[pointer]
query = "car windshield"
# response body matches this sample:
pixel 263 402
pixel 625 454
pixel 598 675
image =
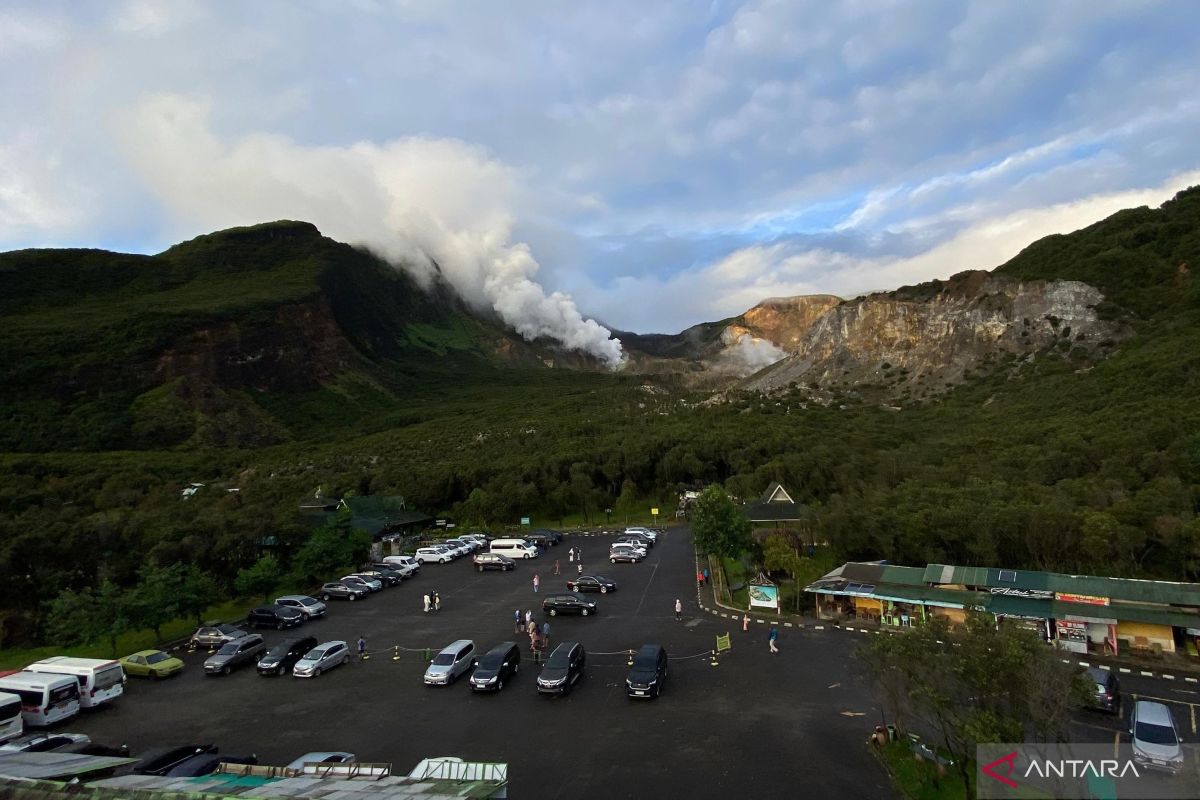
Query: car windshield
pixel 1154 734
pixel 229 648
pixel 156 658
pixel 314 655
pixel 491 661
pixel 227 628
pixel 559 659
pixel 443 659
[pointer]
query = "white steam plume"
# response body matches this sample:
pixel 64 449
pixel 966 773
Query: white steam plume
pixel 745 354
pixel 411 200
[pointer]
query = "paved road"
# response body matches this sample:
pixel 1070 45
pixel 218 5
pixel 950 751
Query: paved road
pixel 758 725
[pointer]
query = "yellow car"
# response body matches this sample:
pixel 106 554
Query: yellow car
pixel 151 664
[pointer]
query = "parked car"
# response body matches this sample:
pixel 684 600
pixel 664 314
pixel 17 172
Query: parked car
pixel 649 533
pixel 407 565
pixel 309 607
pixel 322 658
pixel 343 591
pixel 275 616
pixel 47 743
pixel 627 554
pixel 391 576
pixel 151 664
pixel 542 540
pixel 648 673
pixel 1154 737
pixel 592 583
pixel 563 669
pixel 206 764
pixel 280 658
pixel 497 665
pixel 464 546
pixel 556 604
pixel 160 760
pixel 484 561
pixel 450 664
pixel 1106 695
pixel 555 536
pixel 483 539
pixel 216 635
pixel 640 539
pixel 235 654
pixel 370 584
pixel 435 555
pixel 631 541
pixel 322 758
pixel 373 576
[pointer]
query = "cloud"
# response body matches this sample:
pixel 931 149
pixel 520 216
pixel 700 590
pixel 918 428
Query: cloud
pixel 417 201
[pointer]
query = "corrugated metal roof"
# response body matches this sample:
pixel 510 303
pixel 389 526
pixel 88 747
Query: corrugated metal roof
pixel 903 576
pixel 1146 591
pixel 857 572
pixel 56 765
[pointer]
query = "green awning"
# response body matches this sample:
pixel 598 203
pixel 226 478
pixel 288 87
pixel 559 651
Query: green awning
pixel 1022 606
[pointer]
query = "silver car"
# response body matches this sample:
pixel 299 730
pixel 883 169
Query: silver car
pixel 324 757
pixel 309 607
pixel 1155 739
pixel 362 581
pixel 216 635
pixel 238 653
pixel 322 658
pixel 451 664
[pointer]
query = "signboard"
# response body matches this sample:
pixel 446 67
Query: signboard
pixel 654 511
pixel 1087 599
pixel 441 523
pixel 1072 635
pixel 524 520
pixel 723 643
pixel 764 596
pixel 1036 594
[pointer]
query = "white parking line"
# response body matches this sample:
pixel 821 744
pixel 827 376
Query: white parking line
pixel 1169 677
pixel 1124 669
pixel 1084 664
pixel 1192 680
pixel 1146 674
pixel 643 600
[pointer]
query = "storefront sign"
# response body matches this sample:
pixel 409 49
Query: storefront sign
pixel 1072 635
pixel 1036 594
pixel 1088 599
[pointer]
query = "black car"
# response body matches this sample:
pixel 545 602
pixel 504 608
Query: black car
pixel 1106 694
pixel 161 760
pixel 280 659
pixel 542 540
pixel 501 662
pixel 648 673
pixel 592 583
pixel 390 576
pixel 343 591
pixel 275 616
pixel 557 604
pixel 205 764
pixel 563 670
pixel 498 561
pixel 555 536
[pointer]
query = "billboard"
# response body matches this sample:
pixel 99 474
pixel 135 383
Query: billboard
pixel 764 596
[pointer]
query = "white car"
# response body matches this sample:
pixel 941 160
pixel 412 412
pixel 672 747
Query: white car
pixel 459 547
pixel 451 664
pixel 309 607
pixel 631 541
pixel 436 555
pixel 649 534
pixel 405 565
pixel 322 758
pixel 322 658
pixel 481 540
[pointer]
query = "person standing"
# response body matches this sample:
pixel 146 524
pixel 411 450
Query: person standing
pixel 745 622
pixel 678 609
pixel 571 556
pixel 362 646
pixel 517 621
pixel 427 602
pixel 706 576
pixel 536 582
pixel 546 633
pixel 579 568
pixel 528 618
pixel 773 637
pixel 556 566
pixel 699 577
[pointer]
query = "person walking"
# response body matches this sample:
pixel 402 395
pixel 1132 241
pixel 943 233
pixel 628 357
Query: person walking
pixel 536 582
pixel 517 621
pixel 556 566
pixel 546 633
pixel 362 646
pixel 579 568
pixel 706 576
pixel 678 609
pixel 699 577
pixel 773 637
pixel 571 556
pixel 427 602
pixel 528 618
pixel 745 622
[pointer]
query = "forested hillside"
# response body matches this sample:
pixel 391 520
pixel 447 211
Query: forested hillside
pixel 1040 463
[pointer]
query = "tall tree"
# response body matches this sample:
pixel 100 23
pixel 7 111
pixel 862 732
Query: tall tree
pixel 261 578
pixel 719 525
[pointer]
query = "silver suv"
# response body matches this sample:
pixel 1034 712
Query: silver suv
pixel 1155 739
pixel 450 664
pixel 238 653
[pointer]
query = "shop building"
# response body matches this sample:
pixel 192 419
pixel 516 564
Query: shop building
pixel 1080 613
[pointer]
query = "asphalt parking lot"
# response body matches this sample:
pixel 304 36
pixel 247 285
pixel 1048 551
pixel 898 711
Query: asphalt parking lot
pixel 756 725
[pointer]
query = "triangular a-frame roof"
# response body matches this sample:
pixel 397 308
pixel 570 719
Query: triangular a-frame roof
pixel 775 493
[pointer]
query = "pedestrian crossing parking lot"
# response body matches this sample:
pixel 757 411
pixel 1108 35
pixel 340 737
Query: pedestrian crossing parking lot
pixel 716 731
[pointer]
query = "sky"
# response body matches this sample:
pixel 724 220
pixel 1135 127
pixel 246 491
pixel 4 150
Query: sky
pixel 644 166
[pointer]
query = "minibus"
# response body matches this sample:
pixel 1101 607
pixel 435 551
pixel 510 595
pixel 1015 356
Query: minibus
pixel 100 680
pixel 45 699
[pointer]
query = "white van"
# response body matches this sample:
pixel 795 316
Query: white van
pixel 45 699
pixel 100 680
pixel 11 725
pixel 514 548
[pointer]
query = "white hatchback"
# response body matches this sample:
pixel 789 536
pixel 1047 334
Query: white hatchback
pixel 435 555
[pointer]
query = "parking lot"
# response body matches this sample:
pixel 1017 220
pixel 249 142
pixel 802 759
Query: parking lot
pixel 757 724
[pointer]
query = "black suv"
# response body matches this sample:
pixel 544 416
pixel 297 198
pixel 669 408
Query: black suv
pixel 557 604
pixel 1106 690
pixel 389 575
pixel 502 661
pixel 648 673
pixel 484 561
pixel 280 659
pixel 276 616
pixel 542 540
pixel 563 670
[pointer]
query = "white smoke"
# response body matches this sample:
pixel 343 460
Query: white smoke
pixel 414 201
pixel 745 354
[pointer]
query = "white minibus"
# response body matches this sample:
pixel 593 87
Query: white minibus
pixel 45 699
pixel 10 717
pixel 101 680
pixel 514 548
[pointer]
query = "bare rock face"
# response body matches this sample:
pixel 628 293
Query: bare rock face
pixel 784 321
pixel 934 333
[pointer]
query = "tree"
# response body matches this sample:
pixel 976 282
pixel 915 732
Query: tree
pixel 780 556
pixel 259 579
pixel 719 525
pixel 154 601
pixel 86 616
pixel 973 684
pixel 195 592
pixel 330 549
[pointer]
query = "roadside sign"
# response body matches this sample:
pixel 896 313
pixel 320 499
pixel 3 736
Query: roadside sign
pixel 524 520
pixel 723 643
pixel 654 511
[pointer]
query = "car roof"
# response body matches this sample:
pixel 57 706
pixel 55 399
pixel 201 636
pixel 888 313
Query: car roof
pixel 1099 675
pixel 455 645
pixel 301 597
pixel 144 653
pixel 330 643
pixel 1153 714
pixel 503 647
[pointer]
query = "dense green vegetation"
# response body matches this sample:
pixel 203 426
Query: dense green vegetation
pixel 1039 464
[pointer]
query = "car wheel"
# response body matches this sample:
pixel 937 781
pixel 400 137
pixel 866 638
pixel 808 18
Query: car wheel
pixel 516 668
pixel 553 612
pixel 317 672
pixel 603 590
pixel 280 669
pixel 481 568
pixel 613 560
pixel 352 598
pixel 326 598
pixel 279 626
pixel 499 684
pixel 585 612
pixel 154 676
pixel 225 670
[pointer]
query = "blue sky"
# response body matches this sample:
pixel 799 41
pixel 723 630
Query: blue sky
pixel 659 163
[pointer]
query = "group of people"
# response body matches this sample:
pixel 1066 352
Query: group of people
pixel 539 638
pixel 433 602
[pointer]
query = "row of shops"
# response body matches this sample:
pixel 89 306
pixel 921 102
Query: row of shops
pixel 1079 613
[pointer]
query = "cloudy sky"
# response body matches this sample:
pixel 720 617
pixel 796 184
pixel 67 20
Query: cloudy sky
pixel 660 163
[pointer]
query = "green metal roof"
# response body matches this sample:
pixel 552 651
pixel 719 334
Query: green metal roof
pixel 903 576
pixel 1145 591
pixel 931 595
pixel 945 573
